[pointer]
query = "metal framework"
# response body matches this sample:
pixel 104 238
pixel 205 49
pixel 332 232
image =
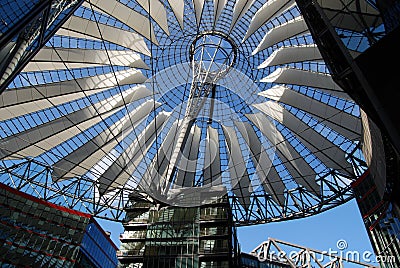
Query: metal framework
pixel 182 100
pixel 82 193
pixel 337 45
pixel 29 33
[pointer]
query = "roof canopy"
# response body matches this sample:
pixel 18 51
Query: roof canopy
pixel 107 102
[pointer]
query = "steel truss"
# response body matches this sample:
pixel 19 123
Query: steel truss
pixel 299 203
pixel 82 193
pixel 30 33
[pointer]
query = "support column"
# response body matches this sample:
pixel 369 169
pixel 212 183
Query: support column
pixel 20 42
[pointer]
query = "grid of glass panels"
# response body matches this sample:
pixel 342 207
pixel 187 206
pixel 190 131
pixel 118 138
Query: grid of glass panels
pixel 34 233
pixel 177 237
pixel 98 248
pixel 381 220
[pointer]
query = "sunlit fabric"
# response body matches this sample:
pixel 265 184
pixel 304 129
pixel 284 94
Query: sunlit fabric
pixel 187 101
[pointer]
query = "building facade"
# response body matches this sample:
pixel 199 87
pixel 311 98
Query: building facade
pixel 169 236
pixel 37 233
pixel 381 220
pixel 96 249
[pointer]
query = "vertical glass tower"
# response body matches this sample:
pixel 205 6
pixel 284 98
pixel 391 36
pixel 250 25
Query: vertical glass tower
pixel 178 237
pixel 97 250
pixel 381 220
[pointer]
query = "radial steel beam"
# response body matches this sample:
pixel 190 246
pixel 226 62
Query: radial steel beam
pixel 206 72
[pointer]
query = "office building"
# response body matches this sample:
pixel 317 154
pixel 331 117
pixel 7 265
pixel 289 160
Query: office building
pixel 169 236
pixel 36 233
pixel 381 220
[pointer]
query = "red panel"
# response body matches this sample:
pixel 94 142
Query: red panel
pixel 40 201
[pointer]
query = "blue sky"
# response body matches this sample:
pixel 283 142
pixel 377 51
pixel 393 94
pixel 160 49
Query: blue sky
pixel 319 232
